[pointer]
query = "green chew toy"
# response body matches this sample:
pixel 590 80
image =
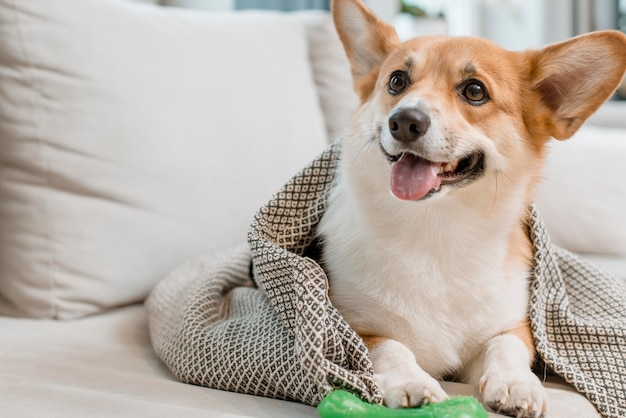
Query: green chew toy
pixel 343 404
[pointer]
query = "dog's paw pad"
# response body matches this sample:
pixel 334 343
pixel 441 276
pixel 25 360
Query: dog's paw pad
pixel 520 396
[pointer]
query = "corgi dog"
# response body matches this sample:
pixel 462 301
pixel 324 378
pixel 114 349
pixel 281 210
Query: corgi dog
pixel 425 238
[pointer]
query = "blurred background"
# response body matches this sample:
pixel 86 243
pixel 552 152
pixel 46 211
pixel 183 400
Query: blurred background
pixel 513 24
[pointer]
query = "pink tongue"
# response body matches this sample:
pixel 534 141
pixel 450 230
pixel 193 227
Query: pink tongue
pixel 413 177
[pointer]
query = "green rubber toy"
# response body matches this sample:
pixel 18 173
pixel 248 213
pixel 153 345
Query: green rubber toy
pixel 343 404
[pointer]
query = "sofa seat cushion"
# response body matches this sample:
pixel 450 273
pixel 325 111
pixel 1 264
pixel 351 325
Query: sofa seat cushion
pixel 105 365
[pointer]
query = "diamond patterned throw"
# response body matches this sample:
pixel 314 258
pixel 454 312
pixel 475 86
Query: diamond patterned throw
pixel 258 319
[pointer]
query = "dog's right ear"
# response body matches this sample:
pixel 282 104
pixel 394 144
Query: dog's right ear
pixel 366 39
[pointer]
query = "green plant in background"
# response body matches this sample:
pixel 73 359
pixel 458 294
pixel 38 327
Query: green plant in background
pixel 412 9
pixel 422 8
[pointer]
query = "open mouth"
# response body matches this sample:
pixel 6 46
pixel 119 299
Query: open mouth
pixel 416 178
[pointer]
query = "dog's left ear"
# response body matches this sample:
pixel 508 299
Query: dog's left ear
pixel 575 77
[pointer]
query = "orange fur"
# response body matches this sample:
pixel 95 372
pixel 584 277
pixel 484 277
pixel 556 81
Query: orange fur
pixel 372 342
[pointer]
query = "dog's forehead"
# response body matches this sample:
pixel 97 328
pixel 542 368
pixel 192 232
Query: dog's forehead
pixel 449 56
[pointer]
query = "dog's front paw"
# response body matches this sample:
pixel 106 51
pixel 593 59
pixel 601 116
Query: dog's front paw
pixel 409 388
pixel 517 394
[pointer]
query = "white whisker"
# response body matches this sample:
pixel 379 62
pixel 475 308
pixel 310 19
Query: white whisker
pixel 372 139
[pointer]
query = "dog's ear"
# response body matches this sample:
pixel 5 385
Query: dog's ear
pixel 366 39
pixel 574 77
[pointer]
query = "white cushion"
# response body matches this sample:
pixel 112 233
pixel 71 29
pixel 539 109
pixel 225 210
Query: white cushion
pixel 331 71
pixel 104 366
pixel 583 197
pixel 133 137
pixel 610 114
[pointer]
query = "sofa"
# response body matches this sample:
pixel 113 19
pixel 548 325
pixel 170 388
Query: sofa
pixel 134 137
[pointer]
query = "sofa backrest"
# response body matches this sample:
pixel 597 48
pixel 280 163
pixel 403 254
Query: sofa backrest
pixel 134 137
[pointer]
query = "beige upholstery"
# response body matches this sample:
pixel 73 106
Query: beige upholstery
pixel 133 138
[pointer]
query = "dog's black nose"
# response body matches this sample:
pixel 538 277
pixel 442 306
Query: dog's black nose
pixel 408 124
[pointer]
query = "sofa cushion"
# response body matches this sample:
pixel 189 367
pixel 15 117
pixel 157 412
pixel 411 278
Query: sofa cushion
pixel 583 197
pixel 134 137
pixel 106 364
pixel 331 71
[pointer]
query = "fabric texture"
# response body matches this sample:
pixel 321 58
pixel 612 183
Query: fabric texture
pixel 283 338
pixel 104 366
pixel 129 133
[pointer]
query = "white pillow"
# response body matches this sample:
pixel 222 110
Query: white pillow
pixel 133 137
pixel 331 71
pixel 583 198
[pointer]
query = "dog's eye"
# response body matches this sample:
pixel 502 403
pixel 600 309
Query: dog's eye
pixel 475 92
pixel 398 82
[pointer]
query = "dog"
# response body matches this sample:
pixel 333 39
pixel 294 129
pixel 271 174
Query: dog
pixel 425 237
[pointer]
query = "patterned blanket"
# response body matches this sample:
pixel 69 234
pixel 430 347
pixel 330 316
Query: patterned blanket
pixel 258 320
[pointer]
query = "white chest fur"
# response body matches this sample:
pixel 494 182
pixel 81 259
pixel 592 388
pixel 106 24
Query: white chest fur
pixel 431 275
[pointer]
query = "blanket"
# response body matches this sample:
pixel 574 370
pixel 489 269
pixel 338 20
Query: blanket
pixel 257 319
